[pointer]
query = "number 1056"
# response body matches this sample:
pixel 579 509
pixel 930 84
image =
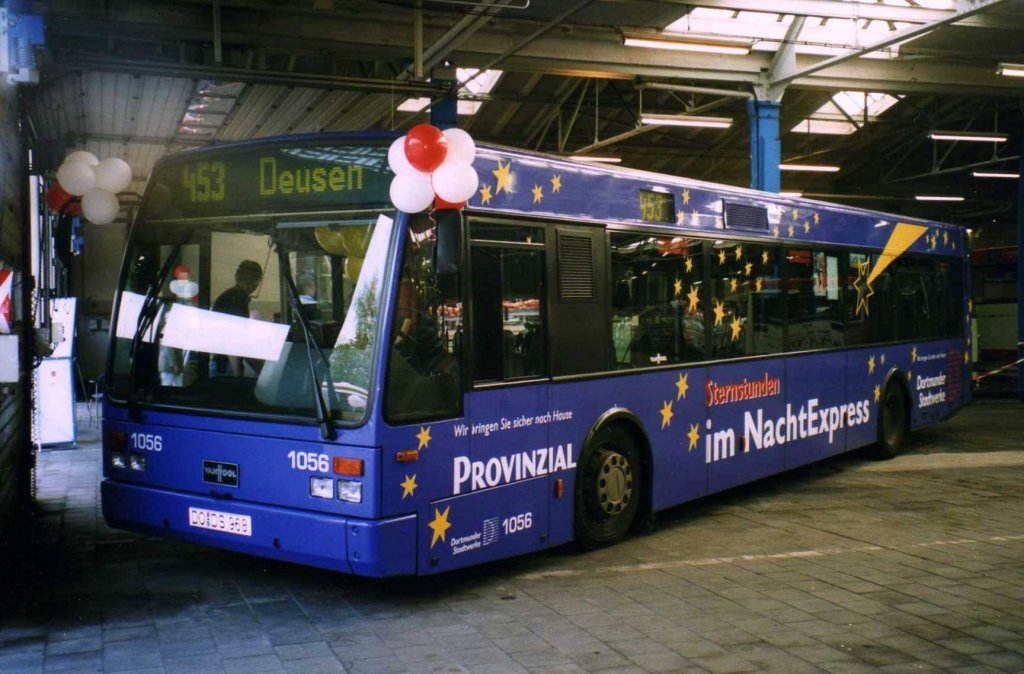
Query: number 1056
pixel 520 522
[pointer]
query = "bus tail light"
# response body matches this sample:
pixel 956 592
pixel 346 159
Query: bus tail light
pixel 346 466
pixel 350 490
pixel 117 441
pixel 407 455
pixel 559 487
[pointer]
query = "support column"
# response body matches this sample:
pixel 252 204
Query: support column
pixel 765 146
pixel 1020 273
pixel 444 114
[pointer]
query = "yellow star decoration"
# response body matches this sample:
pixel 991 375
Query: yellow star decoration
pixel 970 306
pixel 945 238
pixel 953 245
pixel 504 176
pixel 817 218
pixel 440 525
pixel 807 227
pixel 680 217
pixel 739 253
pixel 538 193
pixel 747 267
pixel 682 386
pixel 775 231
pixel 556 184
pixel 759 285
pixel 409 486
pixel 910 375
pixel 694 436
pixel 967 358
pixel 881 359
pixel 878 393
pixel 934 241
pixel 689 264
pixel 796 215
pixel 678 287
pixel 721 256
pixel 791 230
pixel 719 312
pixel 666 414
pixel 913 355
pixel 863 288
pixel 694 300
pixel 424 437
pixel 695 218
pixel 485 194
pixel 871 365
pixel 764 257
pixel 736 326
pixel 733 285
pixel 686 197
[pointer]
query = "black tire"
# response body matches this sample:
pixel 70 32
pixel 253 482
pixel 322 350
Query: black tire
pixel 893 422
pixel 609 488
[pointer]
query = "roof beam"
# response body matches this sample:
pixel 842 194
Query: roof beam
pixel 828 9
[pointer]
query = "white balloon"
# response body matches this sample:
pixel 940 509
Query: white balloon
pixel 76 177
pixel 460 145
pixel 411 192
pixel 455 181
pixel 397 160
pixel 100 207
pixel 113 174
pixel 83 155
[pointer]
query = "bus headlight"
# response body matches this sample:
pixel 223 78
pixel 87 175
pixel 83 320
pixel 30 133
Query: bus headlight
pixel 118 460
pixel 350 490
pixel 321 487
pixel 137 462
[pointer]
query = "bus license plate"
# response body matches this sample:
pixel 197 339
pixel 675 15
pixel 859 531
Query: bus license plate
pixel 229 523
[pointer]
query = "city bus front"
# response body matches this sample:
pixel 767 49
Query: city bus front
pixel 245 358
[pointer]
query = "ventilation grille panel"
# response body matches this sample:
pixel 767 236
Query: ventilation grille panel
pixel 575 267
pixel 742 216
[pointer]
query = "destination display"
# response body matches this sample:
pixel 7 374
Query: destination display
pixel 271 179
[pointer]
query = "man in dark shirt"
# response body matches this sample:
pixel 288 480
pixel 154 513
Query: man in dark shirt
pixel 235 301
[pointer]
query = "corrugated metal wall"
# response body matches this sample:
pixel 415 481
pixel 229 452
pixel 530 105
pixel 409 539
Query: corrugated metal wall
pixel 14 399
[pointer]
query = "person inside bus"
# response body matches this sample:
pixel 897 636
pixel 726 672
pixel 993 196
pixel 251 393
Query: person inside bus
pixel 235 301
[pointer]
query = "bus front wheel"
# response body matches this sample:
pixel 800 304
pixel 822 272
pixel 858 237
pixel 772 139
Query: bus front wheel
pixel 893 422
pixel 609 482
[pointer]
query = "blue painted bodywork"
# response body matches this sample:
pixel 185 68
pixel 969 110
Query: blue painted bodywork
pixel 486 485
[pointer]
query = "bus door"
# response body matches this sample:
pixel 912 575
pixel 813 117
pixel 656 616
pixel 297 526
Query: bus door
pixel 500 481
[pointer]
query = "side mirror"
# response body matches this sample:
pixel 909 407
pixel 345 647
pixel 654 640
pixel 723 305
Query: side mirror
pixel 448 252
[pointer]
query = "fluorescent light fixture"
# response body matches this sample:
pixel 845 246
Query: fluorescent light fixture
pixel 791 195
pixel 811 168
pixel 686 120
pixel 936 197
pixel 708 45
pixel 969 136
pixel 1011 69
pixel 996 174
pixel 596 159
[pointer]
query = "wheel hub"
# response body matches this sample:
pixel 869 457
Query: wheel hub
pixel 614 483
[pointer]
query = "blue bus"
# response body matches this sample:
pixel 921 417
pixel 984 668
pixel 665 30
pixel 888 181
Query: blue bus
pixel 299 371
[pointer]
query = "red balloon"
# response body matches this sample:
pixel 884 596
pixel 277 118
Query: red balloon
pixel 425 147
pixel 57 197
pixel 442 205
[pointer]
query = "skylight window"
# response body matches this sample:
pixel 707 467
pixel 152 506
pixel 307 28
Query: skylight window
pixel 858 106
pixel 479 86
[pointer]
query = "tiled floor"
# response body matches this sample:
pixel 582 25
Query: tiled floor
pixel 913 565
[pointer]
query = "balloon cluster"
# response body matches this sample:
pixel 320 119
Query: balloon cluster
pixel 432 166
pixel 87 185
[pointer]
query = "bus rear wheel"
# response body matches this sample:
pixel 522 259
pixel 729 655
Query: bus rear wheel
pixel 893 422
pixel 609 485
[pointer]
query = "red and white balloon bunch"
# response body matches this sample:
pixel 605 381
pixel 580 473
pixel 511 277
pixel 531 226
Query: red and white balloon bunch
pixel 96 182
pixel 432 166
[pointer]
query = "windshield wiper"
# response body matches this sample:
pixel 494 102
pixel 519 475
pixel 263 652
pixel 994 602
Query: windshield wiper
pixel 323 412
pixel 147 315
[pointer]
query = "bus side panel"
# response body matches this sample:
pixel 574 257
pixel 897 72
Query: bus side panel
pixel 816 395
pixel 938 379
pixel 669 406
pixel 862 427
pixel 744 401
pixel 485 525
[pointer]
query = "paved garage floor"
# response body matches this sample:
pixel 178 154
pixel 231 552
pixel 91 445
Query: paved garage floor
pixel 913 565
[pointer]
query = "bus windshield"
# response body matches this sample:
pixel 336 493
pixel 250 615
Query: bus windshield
pixel 255 315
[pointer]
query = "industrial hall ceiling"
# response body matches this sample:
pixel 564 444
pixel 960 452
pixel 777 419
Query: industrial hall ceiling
pixel 863 85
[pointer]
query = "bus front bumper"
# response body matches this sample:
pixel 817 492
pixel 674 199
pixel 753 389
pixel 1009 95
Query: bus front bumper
pixel 378 548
